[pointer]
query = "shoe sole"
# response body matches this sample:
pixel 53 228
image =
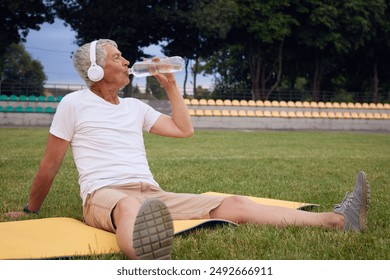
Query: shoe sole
pixel 365 202
pixel 153 231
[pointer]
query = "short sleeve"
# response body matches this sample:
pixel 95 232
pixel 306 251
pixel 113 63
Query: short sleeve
pixel 63 124
pixel 150 116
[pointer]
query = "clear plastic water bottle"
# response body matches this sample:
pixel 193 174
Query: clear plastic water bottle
pixel 149 68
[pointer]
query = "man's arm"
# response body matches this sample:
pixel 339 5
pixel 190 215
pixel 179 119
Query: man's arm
pixel 51 162
pixel 180 124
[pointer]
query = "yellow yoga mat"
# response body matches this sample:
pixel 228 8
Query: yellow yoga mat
pixel 64 237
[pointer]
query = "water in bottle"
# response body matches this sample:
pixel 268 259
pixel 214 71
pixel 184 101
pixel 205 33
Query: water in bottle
pixel 165 65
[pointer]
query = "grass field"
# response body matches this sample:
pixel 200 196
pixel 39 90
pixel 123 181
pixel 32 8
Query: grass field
pixel 315 167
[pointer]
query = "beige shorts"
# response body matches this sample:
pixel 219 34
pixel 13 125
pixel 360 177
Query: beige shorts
pixel 98 206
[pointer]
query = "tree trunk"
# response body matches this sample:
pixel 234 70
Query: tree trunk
pixel 279 71
pixel 317 78
pixel 254 58
pixel 185 77
pixel 374 83
pixel 195 73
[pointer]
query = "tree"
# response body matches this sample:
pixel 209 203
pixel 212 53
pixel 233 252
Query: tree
pixel 17 17
pixel 330 29
pixel 198 28
pixel 368 66
pixel 262 28
pixel 22 71
pixel 154 88
pixel 132 24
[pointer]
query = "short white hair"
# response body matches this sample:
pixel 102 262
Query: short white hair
pixel 81 58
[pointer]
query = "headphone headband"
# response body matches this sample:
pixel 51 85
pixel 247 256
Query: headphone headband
pixel 95 72
pixel 92 52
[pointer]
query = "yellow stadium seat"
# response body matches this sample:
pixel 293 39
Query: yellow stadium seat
pixel 346 115
pixel 362 115
pixel 299 114
pixel 283 104
pixel 377 116
pixel 252 103
pixel 211 102
pixel 350 105
pixel 267 113
pixel 225 113
pixel 208 113
pixel 322 104
pixel 372 106
pixel 275 103
pixel 235 103
pixel 233 113
pixel 298 104
pixel 307 114
pixel 306 104
pixel 291 104
pixel 343 105
pixel 259 103
pixel 291 114
pixel 339 115
pixel 283 114
pixel 313 104
pixel 219 102
pixel 242 113
pixel 324 115
pixel 315 114
pixel 330 105
pixel 335 105
pixel 217 113
pixel 275 114
pixel 267 103
pixel 385 116
pixel 191 112
pixel 379 106
pixel 202 102
pixel 386 106
pixel 358 105
pixel 187 101
pixel 365 106
pixel 243 103
pixel 227 102
pixel 194 102
pixel 331 115
pixel 370 116
pixel 199 112
pixel 250 113
pixel 259 113
pixel 354 115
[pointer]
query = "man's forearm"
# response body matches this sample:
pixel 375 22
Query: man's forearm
pixel 180 114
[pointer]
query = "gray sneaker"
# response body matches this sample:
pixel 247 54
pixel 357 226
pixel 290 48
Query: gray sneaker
pixel 153 231
pixel 355 205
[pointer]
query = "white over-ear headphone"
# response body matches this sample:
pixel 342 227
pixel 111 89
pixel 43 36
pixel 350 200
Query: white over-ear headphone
pixel 95 72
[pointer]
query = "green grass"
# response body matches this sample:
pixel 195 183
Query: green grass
pixel 315 167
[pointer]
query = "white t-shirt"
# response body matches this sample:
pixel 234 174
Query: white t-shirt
pixel 106 139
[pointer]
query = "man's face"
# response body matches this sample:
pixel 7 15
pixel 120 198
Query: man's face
pixel 116 68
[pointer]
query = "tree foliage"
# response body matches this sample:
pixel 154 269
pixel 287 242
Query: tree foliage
pixel 21 69
pixel 263 46
pixel 17 17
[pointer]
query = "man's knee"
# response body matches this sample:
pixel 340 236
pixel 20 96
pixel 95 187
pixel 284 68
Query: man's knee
pixel 236 201
pixel 126 208
pixel 233 208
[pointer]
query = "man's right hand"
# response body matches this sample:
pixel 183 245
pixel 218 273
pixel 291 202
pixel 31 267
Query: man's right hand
pixel 15 215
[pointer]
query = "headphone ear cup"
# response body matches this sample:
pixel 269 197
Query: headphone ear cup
pixel 95 73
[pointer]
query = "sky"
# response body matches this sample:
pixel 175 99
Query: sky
pixel 53 45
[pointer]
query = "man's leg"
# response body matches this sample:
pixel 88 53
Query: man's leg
pixel 143 231
pixel 242 210
pixel 350 214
